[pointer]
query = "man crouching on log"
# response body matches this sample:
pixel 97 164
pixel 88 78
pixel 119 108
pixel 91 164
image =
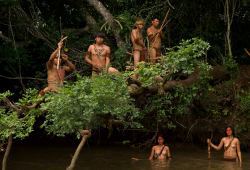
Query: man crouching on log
pixel 57 66
pixel 98 56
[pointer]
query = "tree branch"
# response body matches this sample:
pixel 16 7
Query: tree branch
pixel 11 105
pixel 108 17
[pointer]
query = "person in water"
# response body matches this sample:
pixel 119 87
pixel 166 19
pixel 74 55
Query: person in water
pixel 160 151
pixel 231 146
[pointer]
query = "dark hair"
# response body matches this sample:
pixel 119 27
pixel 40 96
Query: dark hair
pixel 154 18
pixel 99 34
pixel 160 135
pixel 231 129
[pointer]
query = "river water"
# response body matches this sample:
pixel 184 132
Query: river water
pixel 117 158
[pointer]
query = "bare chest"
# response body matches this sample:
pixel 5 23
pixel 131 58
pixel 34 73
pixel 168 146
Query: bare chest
pixel 228 144
pixel 99 52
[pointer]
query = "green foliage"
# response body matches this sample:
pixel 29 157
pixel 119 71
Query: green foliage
pixel 17 123
pixel 77 106
pixel 231 65
pixel 29 97
pixel 186 56
pixel 120 58
pixel 183 59
pixel 245 103
pixel 10 123
pixel 179 63
pixel 5 95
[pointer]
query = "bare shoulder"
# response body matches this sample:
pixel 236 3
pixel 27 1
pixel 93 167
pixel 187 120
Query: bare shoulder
pixel 236 140
pixel 166 148
pixel 153 148
pixel 91 47
pixel 107 48
pixel 223 139
pixel 149 29
pixel 135 31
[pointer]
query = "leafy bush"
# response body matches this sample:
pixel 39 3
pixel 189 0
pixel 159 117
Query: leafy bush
pixel 17 123
pixel 183 59
pixel 78 105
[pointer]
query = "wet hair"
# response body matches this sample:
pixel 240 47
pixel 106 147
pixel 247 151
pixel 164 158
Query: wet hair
pixel 99 34
pixel 231 129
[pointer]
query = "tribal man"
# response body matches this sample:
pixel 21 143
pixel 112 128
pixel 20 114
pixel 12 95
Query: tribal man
pixel 139 48
pixel 98 56
pixel 57 66
pixel 155 36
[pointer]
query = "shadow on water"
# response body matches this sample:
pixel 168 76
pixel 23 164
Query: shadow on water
pixel 115 158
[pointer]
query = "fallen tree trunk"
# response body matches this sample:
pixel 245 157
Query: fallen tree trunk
pixel 136 88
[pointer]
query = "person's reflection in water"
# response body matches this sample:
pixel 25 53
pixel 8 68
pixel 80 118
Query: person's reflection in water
pixel 223 165
pixel 160 164
pixel 230 165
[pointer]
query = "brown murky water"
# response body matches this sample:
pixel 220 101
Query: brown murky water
pixel 116 158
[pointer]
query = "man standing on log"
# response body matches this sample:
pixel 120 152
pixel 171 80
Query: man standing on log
pixel 139 48
pixel 98 56
pixel 155 36
pixel 57 66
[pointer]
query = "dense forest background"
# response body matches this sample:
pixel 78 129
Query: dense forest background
pixel 30 30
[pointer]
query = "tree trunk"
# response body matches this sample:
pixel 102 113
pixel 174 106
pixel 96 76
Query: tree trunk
pixel 228 30
pixel 85 135
pixel 229 12
pixel 108 17
pixel 7 153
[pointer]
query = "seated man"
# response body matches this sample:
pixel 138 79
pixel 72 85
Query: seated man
pixel 56 69
pixel 98 56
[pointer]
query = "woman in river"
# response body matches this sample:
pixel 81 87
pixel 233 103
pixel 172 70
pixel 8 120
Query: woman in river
pixel 231 146
pixel 160 151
